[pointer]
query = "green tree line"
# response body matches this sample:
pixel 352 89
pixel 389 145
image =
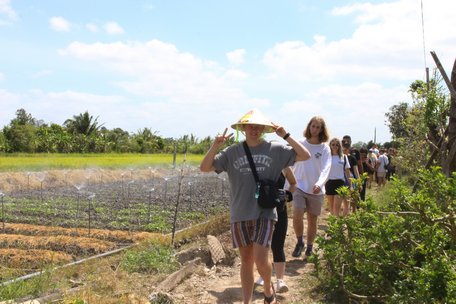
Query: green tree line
pixel 84 134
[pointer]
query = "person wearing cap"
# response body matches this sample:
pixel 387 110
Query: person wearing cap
pixel 311 175
pixel 251 225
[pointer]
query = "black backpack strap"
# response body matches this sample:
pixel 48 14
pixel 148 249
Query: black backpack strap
pixel 251 163
pixel 253 168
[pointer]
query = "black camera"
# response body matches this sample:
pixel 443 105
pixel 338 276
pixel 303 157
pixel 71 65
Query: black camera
pixel 288 196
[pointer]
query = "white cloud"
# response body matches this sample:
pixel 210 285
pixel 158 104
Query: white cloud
pixel 236 57
pixel 235 74
pixel 10 103
pixel 7 13
pixel 169 120
pixel 351 82
pixel 178 86
pixel 158 69
pixel 59 24
pixel 356 110
pixel 387 44
pixel 56 107
pixel 92 27
pixel 2 77
pixel 113 28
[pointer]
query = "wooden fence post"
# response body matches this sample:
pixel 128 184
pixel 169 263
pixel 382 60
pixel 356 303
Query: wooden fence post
pixel 449 164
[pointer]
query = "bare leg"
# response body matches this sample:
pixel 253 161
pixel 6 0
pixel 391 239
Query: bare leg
pixel 337 205
pixel 298 224
pixel 330 203
pixel 279 269
pixel 346 204
pixel 311 228
pixel 261 257
pixel 247 260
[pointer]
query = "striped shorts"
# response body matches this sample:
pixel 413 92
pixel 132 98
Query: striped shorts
pixel 254 231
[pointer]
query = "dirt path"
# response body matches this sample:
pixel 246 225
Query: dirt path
pixel 221 284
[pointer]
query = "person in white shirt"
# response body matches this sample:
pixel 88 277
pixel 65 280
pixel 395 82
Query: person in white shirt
pixel 373 162
pixel 339 173
pixel 382 162
pixel 311 176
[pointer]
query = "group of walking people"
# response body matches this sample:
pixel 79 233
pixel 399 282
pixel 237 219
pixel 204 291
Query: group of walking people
pixel 305 167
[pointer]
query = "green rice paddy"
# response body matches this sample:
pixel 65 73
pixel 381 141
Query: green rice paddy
pixel 37 162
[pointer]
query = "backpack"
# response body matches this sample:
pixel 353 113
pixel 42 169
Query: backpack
pixel 385 162
pixel 345 177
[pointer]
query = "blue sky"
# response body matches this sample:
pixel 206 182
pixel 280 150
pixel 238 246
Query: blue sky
pixel 195 67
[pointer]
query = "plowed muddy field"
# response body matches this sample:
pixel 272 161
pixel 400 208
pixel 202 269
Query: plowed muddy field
pixel 57 217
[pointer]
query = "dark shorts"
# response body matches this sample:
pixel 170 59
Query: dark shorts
pixel 332 185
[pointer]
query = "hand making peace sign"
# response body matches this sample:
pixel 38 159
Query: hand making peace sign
pixel 221 139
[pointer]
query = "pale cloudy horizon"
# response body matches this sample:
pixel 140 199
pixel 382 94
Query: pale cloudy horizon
pixel 196 67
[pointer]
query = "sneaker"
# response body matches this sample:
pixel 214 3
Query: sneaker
pixel 281 286
pixel 297 251
pixel 259 282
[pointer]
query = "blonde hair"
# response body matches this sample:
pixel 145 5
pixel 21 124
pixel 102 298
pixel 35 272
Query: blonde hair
pixel 339 145
pixel 324 135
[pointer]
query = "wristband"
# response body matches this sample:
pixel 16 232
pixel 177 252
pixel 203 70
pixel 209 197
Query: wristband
pixel 286 136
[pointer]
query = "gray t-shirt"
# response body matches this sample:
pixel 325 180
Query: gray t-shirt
pixel 269 158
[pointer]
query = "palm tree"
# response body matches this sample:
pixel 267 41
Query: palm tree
pixel 83 124
pixel 148 141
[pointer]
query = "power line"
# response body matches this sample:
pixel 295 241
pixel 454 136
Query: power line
pixel 422 27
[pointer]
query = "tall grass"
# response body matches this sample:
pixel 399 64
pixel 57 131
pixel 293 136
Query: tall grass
pixel 37 162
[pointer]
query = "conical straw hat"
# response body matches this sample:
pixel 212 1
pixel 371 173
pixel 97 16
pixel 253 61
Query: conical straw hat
pixel 254 117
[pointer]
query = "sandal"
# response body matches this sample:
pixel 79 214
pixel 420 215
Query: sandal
pixel 271 298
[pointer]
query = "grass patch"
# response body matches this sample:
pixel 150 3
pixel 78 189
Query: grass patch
pixel 150 257
pixel 381 196
pixel 31 287
pixel 37 162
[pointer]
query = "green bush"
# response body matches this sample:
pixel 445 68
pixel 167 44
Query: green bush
pixel 402 253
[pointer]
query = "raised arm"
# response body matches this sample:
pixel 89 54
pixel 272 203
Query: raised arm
pixel 291 178
pixel 208 160
pixel 301 152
